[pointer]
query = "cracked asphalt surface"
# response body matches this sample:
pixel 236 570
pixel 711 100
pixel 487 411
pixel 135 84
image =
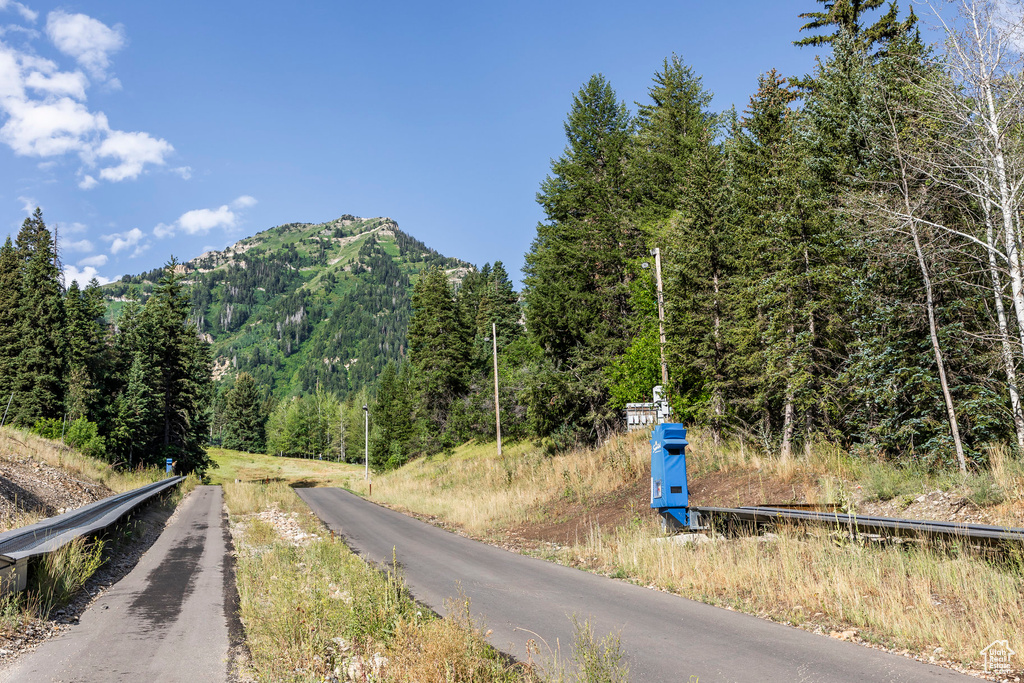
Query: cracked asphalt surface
pixel 168 620
pixel 665 637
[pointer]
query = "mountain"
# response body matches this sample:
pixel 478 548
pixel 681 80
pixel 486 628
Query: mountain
pixel 304 303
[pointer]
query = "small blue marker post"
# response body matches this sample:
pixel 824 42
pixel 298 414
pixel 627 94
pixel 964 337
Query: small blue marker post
pixel 169 461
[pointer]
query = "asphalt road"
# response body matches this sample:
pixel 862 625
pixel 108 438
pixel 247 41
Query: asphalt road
pixel 165 621
pixel 665 638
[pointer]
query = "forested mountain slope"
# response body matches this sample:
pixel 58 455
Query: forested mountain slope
pixel 305 303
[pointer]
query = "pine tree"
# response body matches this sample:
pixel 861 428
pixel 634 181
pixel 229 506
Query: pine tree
pixel 498 304
pixel 439 349
pixel 392 430
pixel 778 236
pixel 172 364
pixel 846 16
pixel 135 433
pixel 10 341
pixel 669 128
pixel 40 382
pixel 577 271
pixel 244 419
pixel 700 256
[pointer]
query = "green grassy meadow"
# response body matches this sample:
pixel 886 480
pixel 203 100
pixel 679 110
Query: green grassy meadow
pixel 251 467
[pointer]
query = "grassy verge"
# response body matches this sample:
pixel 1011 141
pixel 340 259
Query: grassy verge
pixel 481 491
pixel 249 467
pixel 312 610
pixel 915 599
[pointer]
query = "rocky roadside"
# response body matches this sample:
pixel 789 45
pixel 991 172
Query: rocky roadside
pixel 32 488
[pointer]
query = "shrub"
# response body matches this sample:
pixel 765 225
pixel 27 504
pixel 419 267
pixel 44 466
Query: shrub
pixel 84 435
pixel 49 427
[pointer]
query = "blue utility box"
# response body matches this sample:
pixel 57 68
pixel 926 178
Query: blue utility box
pixel 669 493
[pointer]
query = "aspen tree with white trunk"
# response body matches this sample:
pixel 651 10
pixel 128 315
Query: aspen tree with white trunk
pixel 967 110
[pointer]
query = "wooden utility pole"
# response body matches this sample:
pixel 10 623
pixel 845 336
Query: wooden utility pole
pixel 497 409
pixel 661 317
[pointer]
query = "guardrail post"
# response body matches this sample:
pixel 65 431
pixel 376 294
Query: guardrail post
pixel 14 577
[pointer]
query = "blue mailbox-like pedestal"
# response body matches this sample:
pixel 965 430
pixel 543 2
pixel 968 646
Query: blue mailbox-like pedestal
pixel 669 493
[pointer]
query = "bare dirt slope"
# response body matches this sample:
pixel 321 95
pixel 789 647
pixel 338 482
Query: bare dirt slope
pixel 30 487
pixel 565 522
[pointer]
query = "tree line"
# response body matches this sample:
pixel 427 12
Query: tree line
pixel 134 391
pixel 841 263
pixel 841 259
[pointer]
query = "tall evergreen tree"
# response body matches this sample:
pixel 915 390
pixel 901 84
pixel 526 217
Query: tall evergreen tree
pixel 847 16
pixel 40 382
pixel 10 318
pixel 439 349
pixel 244 421
pixel 701 258
pixel 779 234
pixel 171 368
pixel 669 128
pixel 392 430
pixel 577 270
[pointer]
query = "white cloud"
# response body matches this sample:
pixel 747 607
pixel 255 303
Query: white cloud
pixel 25 12
pixel 28 204
pixel 202 221
pixel 244 202
pixel 163 230
pixel 82 277
pixel 133 150
pixel 81 246
pixel 50 128
pixel 184 171
pixel 89 41
pixel 73 228
pixel 46 113
pixel 69 83
pixel 95 261
pixel 119 241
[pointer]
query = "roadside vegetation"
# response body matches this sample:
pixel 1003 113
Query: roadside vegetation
pixel 313 611
pixel 945 603
pixel 230 466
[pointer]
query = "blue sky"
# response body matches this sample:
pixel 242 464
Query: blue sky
pixel 150 129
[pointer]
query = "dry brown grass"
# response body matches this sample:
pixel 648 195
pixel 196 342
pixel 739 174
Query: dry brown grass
pixel 478 490
pixel 916 599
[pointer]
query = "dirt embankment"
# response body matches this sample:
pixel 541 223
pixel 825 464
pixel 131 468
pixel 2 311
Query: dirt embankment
pixel 29 487
pixel 565 522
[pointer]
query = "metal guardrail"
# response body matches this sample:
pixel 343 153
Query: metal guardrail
pixel 17 546
pixel 760 515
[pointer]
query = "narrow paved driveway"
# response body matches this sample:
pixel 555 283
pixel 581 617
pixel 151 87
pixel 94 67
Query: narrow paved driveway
pixel 666 638
pixel 165 621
